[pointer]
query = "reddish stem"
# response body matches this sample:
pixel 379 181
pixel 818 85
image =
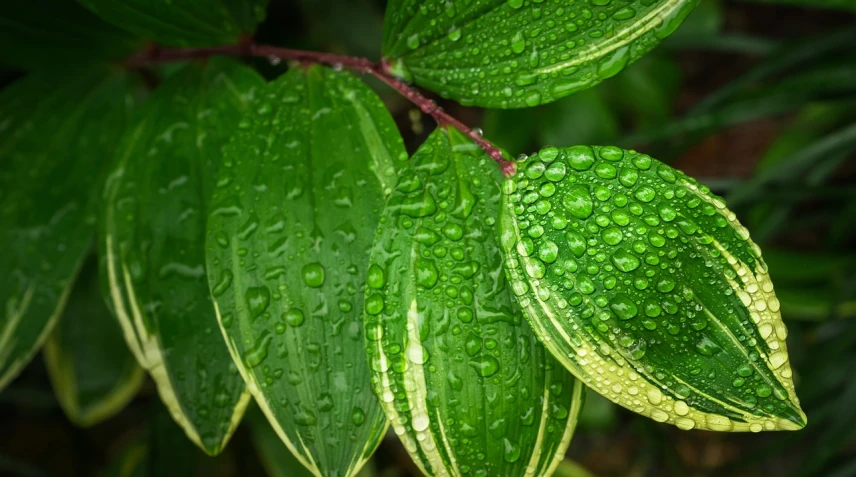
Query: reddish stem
pixel 361 65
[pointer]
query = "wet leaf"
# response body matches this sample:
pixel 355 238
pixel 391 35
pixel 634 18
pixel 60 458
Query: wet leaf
pixel 300 194
pixel 183 22
pixel 657 298
pixel 277 460
pixel 92 372
pixel 152 244
pixel 521 53
pixel 461 376
pixel 57 134
pixel 68 36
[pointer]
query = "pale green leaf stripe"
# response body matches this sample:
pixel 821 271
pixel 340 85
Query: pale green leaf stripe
pixel 183 22
pixel 648 289
pixel 152 242
pixel 56 136
pixel 300 193
pixel 521 53
pixel 463 379
pixel 92 372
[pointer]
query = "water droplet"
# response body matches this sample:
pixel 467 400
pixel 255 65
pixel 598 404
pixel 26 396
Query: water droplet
pixel 578 201
pixel 485 365
pixel 313 275
pixel 580 158
pixel 258 299
pixel 294 317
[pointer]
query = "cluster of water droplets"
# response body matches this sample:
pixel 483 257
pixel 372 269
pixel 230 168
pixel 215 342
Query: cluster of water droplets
pixel 654 290
pixel 457 369
pixel 517 53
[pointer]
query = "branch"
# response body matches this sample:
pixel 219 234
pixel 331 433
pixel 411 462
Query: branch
pixel 360 65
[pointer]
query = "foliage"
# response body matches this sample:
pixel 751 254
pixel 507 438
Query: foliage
pixel 264 235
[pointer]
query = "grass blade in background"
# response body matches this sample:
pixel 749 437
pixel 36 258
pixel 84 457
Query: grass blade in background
pixel 521 53
pixel 56 141
pixel 93 373
pixel 656 297
pixel 152 244
pixel 300 194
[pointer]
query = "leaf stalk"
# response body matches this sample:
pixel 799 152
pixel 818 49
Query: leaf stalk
pixel 379 70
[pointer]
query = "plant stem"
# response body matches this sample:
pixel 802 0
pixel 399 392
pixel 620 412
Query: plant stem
pixel 360 65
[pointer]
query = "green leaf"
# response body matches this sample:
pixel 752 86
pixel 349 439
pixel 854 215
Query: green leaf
pixel 519 53
pixel 459 373
pixel 301 190
pixel 92 372
pixel 56 135
pixel 657 298
pixel 183 22
pixel 39 34
pixel 275 457
pixel 152 244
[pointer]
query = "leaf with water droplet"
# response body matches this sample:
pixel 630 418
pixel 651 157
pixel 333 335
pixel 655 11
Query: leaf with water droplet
pixel 57 135
pixel 314 170
pixel 152 244
pixel 183 22
pixel 459 373
pixel 93 373
pixel 657 298
pixel 522 53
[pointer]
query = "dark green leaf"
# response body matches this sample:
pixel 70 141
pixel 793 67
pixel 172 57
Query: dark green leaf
pixel 460 375
pixel 39 34
pixel 519 53
pixel 56 137
pixel 657 298
pixel 92 372
pixel 301 191
pixel 152 244
pixel 183 22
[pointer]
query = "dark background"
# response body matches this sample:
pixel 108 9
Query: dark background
pixel 777 140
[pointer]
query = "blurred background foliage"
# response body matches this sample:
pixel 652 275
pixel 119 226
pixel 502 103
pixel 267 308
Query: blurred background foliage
pixel 757 99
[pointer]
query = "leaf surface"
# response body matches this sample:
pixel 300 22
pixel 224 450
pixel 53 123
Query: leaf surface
pixel 461 376
pixel 93 373
pixel 57 135
pixel 152 244
pixel 301 192
pixel 183 22
pixel 521 53
pixel 648 289
pixel 66 36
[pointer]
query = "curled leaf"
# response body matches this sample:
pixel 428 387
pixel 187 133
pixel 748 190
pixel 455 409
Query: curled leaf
pixel 648 289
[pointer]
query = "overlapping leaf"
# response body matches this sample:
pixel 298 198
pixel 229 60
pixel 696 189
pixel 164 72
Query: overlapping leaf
pixel 57 135
pixel 461 376
pixel 519 53
pixel 152 244
pixel 183 22
pixel 49 33
pixel 92 372
pixel 300 194
pixel 648 289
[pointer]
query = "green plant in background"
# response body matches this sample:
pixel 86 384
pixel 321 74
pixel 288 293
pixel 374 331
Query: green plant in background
pixel 273 240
